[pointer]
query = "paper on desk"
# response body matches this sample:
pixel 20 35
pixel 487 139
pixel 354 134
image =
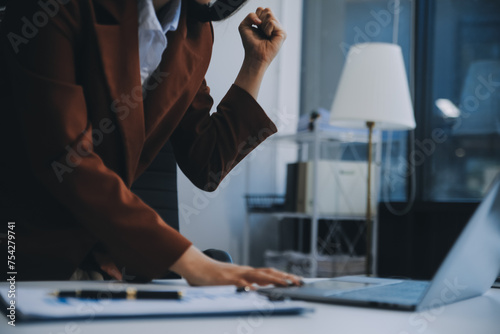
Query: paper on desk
pixel 37 304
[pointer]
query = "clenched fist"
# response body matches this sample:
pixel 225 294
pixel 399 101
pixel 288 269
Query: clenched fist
pixel 262 36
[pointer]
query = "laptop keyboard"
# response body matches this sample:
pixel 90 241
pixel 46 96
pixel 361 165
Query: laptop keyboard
pixel 404 293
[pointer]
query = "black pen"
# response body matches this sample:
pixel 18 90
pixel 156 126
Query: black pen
pixel 129 293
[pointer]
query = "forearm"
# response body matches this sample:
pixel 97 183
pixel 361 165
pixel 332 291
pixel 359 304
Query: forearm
pixel 262 37
pixel 193 265
pixel 250 77
pixel 208 146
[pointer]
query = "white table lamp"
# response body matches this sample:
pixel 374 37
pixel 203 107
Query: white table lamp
pixel 373 93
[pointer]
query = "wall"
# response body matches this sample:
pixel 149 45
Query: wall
pixel 216 220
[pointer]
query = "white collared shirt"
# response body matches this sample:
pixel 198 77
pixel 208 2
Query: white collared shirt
pixel 152 33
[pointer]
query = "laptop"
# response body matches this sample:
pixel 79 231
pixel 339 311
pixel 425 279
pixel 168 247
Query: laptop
pixel 468 271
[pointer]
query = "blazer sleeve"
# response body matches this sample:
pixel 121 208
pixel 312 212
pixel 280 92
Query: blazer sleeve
pixel 54 118
pixel 208 146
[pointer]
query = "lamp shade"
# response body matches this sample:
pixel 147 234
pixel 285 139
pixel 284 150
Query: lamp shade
pixel 373 88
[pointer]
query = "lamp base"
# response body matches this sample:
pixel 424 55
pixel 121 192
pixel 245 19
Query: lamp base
pixel 369 223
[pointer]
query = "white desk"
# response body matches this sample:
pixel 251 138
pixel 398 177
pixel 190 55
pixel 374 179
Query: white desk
pixel 479 315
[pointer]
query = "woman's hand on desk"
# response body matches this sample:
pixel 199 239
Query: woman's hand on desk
pixel 198 269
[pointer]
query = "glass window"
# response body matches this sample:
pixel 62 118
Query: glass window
pixel 464 100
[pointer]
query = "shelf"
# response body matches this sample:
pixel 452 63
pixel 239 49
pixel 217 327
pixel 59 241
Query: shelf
pixel 312 146
pixel 283 215
pixel 298 215
pixel 357 136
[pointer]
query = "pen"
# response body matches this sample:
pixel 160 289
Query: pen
pixel 243 289
pixel 129 293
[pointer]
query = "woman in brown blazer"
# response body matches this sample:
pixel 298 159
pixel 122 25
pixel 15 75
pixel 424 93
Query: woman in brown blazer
pixel 79 127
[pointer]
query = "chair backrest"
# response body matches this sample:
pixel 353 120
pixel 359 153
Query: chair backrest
pixel 157 186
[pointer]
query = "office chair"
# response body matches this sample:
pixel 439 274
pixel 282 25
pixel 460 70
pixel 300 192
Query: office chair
pixel 157 187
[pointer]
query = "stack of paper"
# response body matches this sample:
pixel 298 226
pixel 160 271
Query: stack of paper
pixel 38 304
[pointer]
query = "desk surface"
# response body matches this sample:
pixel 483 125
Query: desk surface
pixel 479 315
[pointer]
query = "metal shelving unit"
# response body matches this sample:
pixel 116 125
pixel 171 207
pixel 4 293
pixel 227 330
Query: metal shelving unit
pixel 306 141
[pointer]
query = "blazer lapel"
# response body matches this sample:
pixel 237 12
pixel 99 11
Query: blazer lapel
pixel 119 52
pixel 179 75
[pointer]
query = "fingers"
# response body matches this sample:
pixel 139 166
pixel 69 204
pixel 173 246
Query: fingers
pixel 262 36
pixel 107 265
pixel 285 278
pixel 250 20
pixel 265 276
pixel 270 25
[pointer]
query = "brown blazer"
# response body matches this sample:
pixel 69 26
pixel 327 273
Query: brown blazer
pixel 79 130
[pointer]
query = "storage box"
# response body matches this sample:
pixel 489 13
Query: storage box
pixel 341 188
